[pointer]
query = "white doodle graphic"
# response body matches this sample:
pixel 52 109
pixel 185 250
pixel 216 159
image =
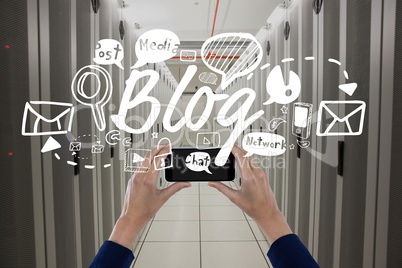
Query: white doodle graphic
pixel 208 78
pixel 265 66
pixel 332 107
pixel 71 163
pixel 137 160
pixel 89 166
pixel 160 160
pixel 154 135
pixel 127 142
pixel 302 119
pixel 50 145
pixel 291 147
pixel 57 156
pixel 265 144
pixel 303 143
pixel 103 89
pixel 109 51
pixel 156 46
pixel 97 149
pixel 208 140
pixel 55 123
pixel 198 161
pixel 284 109
pixel 277 89
pixel 232 55
pixel 112 137
pixel 107 165
pixel 274 123
pixel 75 146
pixel 348 88
pixel 188 55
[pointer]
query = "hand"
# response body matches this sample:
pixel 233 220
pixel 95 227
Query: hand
pixel 142 200
pixel 255 197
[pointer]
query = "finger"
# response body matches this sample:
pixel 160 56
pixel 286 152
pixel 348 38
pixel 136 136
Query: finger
pixel 225 190
pixel 174 188
pixel 159 158
pixel 127 195
pixel 255 167
pixel 242 162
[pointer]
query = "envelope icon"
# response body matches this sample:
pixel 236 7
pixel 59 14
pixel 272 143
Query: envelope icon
pixel 349 120
pixel 97 149
pixel 57 124
pixel 75 146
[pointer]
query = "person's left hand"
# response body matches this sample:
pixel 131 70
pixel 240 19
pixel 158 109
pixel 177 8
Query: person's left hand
pixel 142 200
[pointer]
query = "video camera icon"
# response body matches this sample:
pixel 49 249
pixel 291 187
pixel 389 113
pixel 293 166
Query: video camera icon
pixel 208 140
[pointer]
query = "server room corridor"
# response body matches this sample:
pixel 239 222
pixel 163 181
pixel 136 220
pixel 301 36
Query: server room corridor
pixel 205 230
pixel 284 116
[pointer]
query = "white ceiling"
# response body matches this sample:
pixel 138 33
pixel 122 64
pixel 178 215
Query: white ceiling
pixel 192 20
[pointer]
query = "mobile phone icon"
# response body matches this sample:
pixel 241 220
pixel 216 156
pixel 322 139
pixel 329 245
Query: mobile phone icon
pixel 302 119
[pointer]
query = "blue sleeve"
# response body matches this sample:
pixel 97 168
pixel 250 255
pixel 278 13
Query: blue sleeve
pixel 289 252
pixel 112 255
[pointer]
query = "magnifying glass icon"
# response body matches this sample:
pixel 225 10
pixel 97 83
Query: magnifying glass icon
pixel 102 88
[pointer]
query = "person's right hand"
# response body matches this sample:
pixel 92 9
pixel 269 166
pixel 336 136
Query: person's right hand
pixel 255 197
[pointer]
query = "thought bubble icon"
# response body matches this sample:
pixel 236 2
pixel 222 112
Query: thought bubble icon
pixel 208 78
pixel 277 89
pixel 156 46
pixel 232 55
pixel 265 144
pixel 198 161
pixel 109 51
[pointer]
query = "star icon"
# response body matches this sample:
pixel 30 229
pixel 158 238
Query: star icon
pixel 154 135
pixel 284 109
pixel 291 147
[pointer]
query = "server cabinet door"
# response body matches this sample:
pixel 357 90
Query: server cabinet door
pixel 20 156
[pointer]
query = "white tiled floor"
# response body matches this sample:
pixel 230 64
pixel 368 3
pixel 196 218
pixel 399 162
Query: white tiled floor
pixel 200 228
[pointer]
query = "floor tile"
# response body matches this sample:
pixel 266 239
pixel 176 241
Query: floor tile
pixel 169 255
pixel 209 190
pixel 232 254
pixel 173 231
pixel 226 231
pixel 215 200
pixel 257 231
pixel 144 231
pixel 183 200
pixel 265 247
pixel 221 213
pixel 178 213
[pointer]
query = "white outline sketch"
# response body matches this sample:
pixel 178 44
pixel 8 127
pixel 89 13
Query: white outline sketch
pixel 161 156
pixel 327 131
pixel 77 88
pixel 35 131
pixel 220 57
pixel 128 165
pixel 215 140
pixel 192 54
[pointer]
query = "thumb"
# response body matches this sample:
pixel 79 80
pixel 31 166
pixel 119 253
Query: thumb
pixel 224 189
pixel 174 188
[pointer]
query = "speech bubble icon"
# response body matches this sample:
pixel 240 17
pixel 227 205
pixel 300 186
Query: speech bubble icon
pixel 232 55
pixel 208 78
pixel 277 89
pixel 198 161
pixel 265 144
pixel 109 51
pixel 156 46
